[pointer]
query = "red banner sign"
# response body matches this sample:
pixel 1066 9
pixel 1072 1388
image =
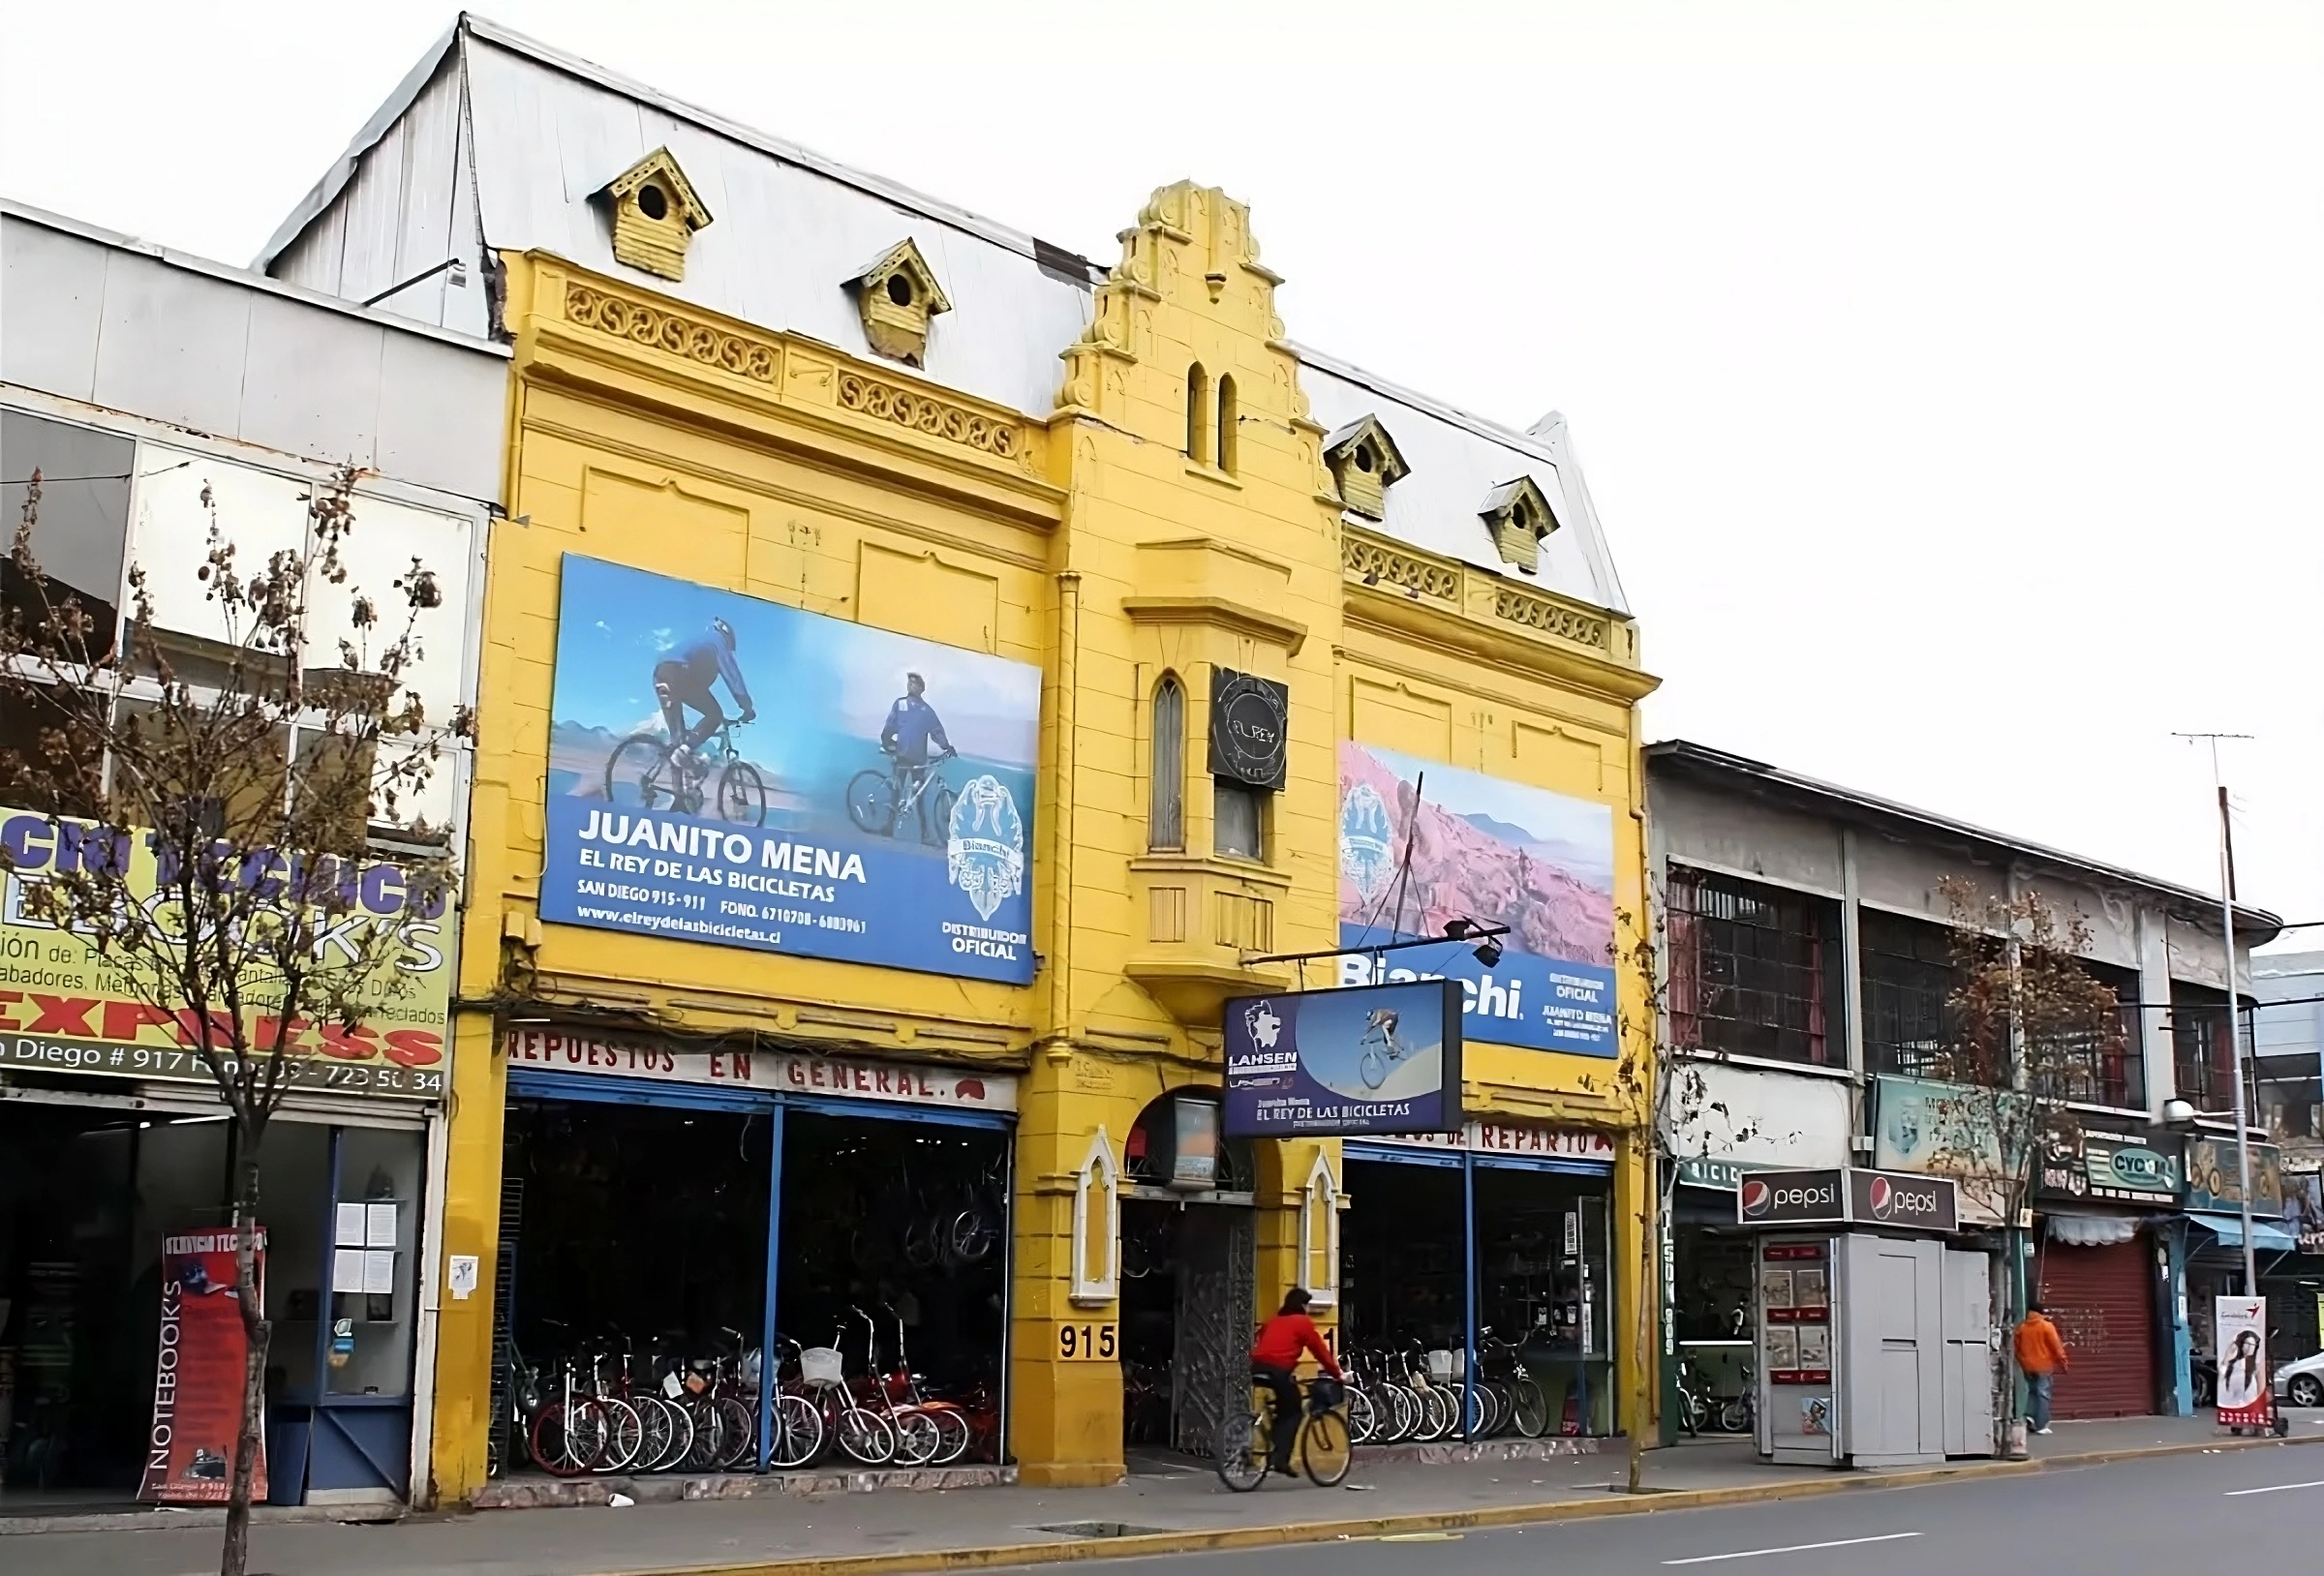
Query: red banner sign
pixel 199 1376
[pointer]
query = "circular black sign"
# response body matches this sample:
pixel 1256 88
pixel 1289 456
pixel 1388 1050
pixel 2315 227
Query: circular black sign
pixel 1250 722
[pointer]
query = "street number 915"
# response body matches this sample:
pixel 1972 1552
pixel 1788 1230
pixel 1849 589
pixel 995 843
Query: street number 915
pixel 1087 1343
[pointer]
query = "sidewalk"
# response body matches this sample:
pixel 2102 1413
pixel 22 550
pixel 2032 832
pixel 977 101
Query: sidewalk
pixel 963 1529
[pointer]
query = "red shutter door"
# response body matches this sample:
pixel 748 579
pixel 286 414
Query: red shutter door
pixel 2102 1301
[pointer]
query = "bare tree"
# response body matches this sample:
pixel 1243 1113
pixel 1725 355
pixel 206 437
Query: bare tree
pixel 2029 1031
pixel 213 797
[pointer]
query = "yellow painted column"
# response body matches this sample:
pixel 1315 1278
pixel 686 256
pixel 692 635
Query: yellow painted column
pixel 472 1221
pixel 1638 1341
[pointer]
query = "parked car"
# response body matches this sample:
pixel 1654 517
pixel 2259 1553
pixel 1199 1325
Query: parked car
pixel 2300 1383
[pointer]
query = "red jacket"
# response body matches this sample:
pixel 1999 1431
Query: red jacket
pixel 1284 1337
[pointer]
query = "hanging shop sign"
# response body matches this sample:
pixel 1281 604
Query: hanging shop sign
pixel 66 1007
pixel 2215 1181
pixel 1945 1128
pixel 1345 1063
pixel 2119 1168
pixel 777 1071
pixel 1250 728
pixel 2239 1330
pixel 1849 1196
pixel 198 1374
pixel 1721 1176
pixel 1481 849
pixel 877 808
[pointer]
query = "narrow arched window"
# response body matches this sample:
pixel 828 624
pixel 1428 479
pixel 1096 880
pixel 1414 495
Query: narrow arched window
pixel 1227 416
pixel 1166 824
pixel 1198 414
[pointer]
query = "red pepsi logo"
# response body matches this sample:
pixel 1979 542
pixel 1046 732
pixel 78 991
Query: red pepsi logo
pixel 1883 1197
pixel 1756 1197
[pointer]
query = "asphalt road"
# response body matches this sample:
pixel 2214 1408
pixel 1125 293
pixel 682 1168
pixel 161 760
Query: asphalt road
pixel 2246 1509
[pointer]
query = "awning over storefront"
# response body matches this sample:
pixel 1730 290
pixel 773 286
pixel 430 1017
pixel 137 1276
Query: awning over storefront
pixel 2093 1230
pixel 2229 1229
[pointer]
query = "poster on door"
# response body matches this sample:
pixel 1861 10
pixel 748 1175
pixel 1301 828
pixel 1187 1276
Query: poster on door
pixel 2239 1325
pixel 198 1374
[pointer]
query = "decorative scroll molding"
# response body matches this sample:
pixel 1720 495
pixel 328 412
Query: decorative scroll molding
pixel 925 413
pixel 665 330
pixel 1551 617
pixel 1369 559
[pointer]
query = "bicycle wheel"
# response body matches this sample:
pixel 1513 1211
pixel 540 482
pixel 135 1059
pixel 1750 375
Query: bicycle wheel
pixel 638 773
pixel 682 1435
pixel 798 1431
pixel 1325 1454
pixel 1734 1415
pixel 937 829
pixel 1363 1422
pixel 702 1454
pixel 872 801
pixel 742 795
pixel 1441 1418
pixel 918 1438
pixel 865 1436
pixel 624 1435
pixel 567 1440
pixel 1242 1449
pixel 654 1441
pixel 956 1431
pixel 738 1434
pixel 970 1236
pixel 1532 1407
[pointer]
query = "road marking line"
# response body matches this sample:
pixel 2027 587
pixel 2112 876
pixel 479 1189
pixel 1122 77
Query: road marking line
pixel 1792 1548
pixel 2236 1493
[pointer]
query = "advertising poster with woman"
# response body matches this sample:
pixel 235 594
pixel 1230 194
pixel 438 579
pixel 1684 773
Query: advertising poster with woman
pixel 2240 1329
pixel 1486 850
pixel 731 771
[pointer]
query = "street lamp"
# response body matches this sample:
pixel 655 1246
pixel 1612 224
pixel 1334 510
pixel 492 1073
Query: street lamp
pixel 2235 1036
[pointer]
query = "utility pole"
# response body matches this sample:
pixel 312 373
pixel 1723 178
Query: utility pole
pixel 2235 1037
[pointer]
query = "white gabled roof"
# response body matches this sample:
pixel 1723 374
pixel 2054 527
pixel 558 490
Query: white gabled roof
pixel 546 129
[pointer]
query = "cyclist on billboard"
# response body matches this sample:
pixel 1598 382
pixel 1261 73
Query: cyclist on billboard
pixel 912 725
pixel 684 680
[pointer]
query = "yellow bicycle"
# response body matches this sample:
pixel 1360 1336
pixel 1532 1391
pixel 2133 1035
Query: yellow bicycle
pixel 1246 1443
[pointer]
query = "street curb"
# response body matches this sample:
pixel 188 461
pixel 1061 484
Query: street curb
pixel 1214 1540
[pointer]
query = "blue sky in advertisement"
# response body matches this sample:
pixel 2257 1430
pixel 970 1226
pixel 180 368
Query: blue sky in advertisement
pixel 1487 849
pixel 1364 1061
pixel 806 837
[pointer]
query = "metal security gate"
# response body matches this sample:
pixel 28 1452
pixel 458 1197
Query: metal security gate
pixel 1210 1359
pixel 2101 1299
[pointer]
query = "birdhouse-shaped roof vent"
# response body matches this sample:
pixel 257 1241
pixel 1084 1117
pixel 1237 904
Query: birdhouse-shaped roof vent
pixel 654 215
pixel 1520 516
pixel 897 297
pixel 1365 463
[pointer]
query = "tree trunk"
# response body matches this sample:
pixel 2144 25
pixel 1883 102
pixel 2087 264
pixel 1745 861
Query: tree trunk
pixel 234 1559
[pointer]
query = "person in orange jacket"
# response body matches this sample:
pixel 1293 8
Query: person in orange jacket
pixel 2042 1353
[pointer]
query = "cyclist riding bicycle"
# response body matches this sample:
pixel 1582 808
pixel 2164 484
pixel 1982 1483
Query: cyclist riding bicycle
pixel 1275 1355
pixel 912 725
pixel 684 680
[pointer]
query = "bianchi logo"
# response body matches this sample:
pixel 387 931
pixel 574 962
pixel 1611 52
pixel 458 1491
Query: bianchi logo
pixel 1266 1027
pixel 1366 851
pixel 985 853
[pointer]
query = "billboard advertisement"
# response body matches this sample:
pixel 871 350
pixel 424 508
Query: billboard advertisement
pixel 1347 1062
pixel 2240 1332
pixel 1483 849
pixel 730 770
pixel 65 1006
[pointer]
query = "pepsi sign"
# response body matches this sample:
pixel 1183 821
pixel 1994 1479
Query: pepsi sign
pixel 1902 1199
pixel 1791 1197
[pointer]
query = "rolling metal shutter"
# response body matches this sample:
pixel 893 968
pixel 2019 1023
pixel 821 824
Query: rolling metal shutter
pixel 2101 1300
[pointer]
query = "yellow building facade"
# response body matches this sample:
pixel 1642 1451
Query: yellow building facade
pixel 1175 516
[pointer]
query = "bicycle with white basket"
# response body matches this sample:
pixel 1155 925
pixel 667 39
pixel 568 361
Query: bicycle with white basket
pixel 855 1428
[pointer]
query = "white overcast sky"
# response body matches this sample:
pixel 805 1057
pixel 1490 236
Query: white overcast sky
pixel 1946 376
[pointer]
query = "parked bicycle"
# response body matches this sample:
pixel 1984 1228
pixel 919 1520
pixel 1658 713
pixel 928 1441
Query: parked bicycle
pixel 645 770
pixel 879 801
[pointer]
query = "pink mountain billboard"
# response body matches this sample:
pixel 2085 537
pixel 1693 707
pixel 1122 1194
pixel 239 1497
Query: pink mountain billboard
pixel 1484 849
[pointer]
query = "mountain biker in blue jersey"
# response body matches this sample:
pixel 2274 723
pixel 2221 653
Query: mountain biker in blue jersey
pixel 684 679
pixel 912 725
